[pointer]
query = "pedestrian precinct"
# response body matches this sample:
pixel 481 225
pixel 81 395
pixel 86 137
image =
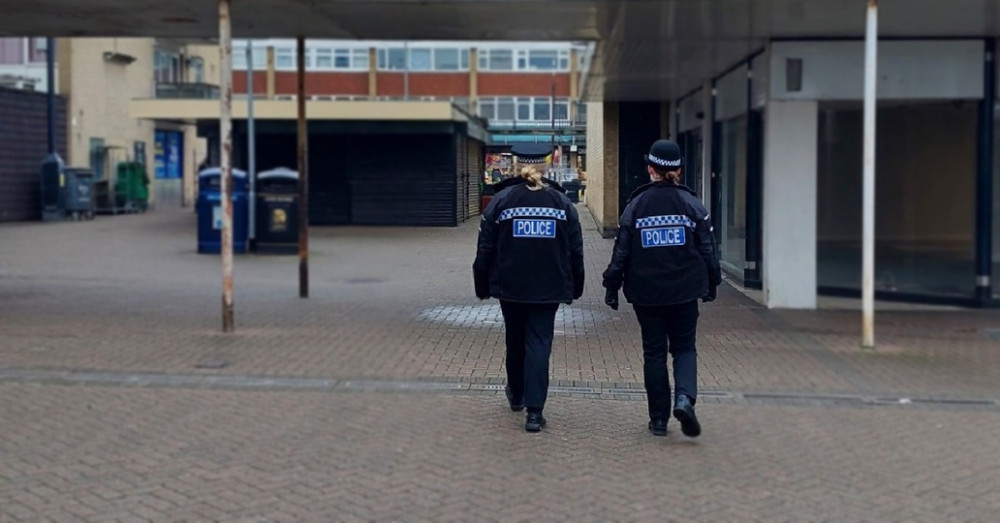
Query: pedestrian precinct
pixel 530 257
pixel 665 258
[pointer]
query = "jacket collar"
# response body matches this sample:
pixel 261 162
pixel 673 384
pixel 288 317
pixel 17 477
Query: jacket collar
pixel 663 184
pixel 511 182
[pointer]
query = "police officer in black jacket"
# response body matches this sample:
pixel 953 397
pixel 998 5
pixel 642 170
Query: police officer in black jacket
pixel 666 259
pixel 530 257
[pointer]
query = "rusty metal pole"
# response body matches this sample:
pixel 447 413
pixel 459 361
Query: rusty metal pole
pixel 226 140
pixel 303 131
pixel 868 182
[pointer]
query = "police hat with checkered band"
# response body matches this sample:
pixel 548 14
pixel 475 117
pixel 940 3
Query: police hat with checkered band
pixel 532 154
pixel 665 154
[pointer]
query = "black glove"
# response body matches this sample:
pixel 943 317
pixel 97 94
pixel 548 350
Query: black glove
pixel 712 294
pixel 611 299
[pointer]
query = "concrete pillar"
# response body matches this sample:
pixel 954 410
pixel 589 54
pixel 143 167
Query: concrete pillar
pixel 473 79
pixel 602 165
pixel 270 72
pixel 372 73
pixel 789 214
pixel 611 163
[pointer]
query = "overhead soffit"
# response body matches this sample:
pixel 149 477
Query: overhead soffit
pixel 648 49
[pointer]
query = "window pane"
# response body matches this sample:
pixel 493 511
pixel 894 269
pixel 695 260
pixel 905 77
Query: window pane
pixel 564 63
pixel 484 58
pixel 284 58
pixel 39 48
pixel 420 59
pixel 324 59
pixel 383 61
pixel 239 61
pixel 360 60
pixel 524 108
pixel 505 109
pixel 501 61
pixel 562 110
pixel 542 109
pixel 542 60
pixel 487 109
pixel 259 58
pixel 397 59
pixel 465 59
pixel 446 59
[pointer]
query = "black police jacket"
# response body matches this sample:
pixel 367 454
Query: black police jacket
pixel 530 246
pixel 665 250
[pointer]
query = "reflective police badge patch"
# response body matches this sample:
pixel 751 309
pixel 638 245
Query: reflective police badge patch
pixel 664 237
pixel 524 228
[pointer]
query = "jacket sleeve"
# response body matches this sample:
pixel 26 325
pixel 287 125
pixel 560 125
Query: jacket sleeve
pixel 614 275
pixel 576 251
pixel 706 246
pixel 485 251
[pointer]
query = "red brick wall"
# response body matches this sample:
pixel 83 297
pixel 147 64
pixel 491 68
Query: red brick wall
pixel 421 84
pixel 522 84
pixel 316 83
pixel 424 84
pixel 323 83
pixel 240 82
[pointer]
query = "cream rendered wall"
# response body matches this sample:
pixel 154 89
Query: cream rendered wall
pixel 99 91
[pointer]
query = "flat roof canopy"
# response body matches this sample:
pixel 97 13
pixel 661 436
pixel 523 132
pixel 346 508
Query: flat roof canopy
pixel 647 49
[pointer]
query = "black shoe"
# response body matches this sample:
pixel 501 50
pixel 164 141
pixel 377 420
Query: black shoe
pixel 658 426
pixel 684 412
pixel 515 405
pixel 534 422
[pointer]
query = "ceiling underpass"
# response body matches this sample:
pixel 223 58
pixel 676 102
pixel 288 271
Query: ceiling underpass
pixel 647 49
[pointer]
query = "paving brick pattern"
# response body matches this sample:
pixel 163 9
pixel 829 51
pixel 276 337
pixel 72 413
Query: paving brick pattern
pixel 105 454
pixel 128 294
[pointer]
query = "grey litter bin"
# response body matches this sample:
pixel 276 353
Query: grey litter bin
pixel 78 193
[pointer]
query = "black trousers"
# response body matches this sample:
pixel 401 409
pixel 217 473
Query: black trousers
pixel 672 329
pixel 529 329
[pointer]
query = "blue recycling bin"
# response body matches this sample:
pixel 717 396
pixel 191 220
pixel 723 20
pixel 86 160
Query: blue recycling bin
pixel 209 208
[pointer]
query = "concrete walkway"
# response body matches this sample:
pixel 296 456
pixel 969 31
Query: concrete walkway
pixel 379 398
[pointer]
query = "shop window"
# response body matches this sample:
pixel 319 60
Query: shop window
pixel 925 222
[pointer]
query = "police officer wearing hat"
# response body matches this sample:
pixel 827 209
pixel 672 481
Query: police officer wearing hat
pixel 665 258
pixel 530 257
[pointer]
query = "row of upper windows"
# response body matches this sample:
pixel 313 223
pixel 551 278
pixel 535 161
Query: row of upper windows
pixel 408 58
pixel 524 109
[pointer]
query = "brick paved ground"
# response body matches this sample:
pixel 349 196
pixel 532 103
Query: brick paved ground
pixel 799 426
